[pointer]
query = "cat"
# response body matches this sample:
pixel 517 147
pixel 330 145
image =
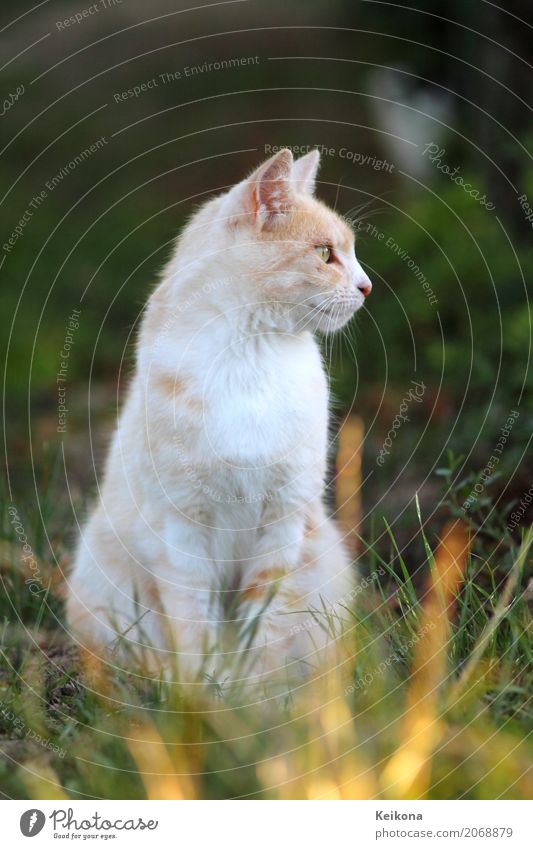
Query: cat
pixel 211 507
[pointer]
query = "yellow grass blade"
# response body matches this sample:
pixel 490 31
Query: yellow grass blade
pixel 349 461
pixel 407 772
pixel 155 766
pixel 42 781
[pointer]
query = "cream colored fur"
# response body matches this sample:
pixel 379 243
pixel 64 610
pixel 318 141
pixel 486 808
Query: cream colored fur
pixel 211 503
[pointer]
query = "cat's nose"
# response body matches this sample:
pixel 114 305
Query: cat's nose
pixel 365 287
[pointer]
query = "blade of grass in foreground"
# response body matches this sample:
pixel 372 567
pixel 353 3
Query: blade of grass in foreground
pixel 406 775
pixel 349 480
pixel 502 608
pixel 158 774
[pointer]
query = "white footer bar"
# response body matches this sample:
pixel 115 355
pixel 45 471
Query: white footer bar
pixel 268 825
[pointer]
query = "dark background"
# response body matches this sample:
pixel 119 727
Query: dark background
pixel 379 79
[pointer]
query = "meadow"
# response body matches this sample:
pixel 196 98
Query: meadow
pixel 430 696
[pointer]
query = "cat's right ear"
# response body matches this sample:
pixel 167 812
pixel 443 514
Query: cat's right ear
pixel 305 171
pixel 267 195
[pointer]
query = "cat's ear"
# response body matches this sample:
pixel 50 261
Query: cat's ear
pixel 304 172
pixel 268 193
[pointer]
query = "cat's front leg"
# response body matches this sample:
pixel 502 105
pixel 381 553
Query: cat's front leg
pixel 293 611
pixel 189 587
pixel 265 583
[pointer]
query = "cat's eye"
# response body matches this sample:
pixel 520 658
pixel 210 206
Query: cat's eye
pixel 324 252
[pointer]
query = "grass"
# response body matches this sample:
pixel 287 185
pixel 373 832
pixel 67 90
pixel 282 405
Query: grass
pixel 431 696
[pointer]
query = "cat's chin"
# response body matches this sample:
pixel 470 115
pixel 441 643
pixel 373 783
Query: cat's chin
pixel 331 319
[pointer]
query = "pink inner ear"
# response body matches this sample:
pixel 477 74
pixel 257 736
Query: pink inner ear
pixel 273 186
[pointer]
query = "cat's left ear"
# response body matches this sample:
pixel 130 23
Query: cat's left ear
pixel 304 172
pixel 268 194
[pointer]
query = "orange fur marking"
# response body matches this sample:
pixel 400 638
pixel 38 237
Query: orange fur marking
pixel 170 385
pixel 174 386
pixel 264 582
pixel 195 404
pixel 310 528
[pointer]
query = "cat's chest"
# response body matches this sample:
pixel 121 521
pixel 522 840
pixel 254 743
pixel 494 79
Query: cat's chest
pixel 267 403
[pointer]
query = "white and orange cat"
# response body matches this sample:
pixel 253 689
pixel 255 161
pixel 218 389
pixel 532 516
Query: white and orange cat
pixel 211 506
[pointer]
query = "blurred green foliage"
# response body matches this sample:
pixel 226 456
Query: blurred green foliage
pixel 101 236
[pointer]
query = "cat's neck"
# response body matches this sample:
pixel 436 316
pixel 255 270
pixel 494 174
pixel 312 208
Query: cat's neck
pixel 195 320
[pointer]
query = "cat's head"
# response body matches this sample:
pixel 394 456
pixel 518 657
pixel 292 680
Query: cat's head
pixel 290 250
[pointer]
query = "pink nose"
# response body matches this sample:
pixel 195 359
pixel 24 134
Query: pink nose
pixel 365 288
